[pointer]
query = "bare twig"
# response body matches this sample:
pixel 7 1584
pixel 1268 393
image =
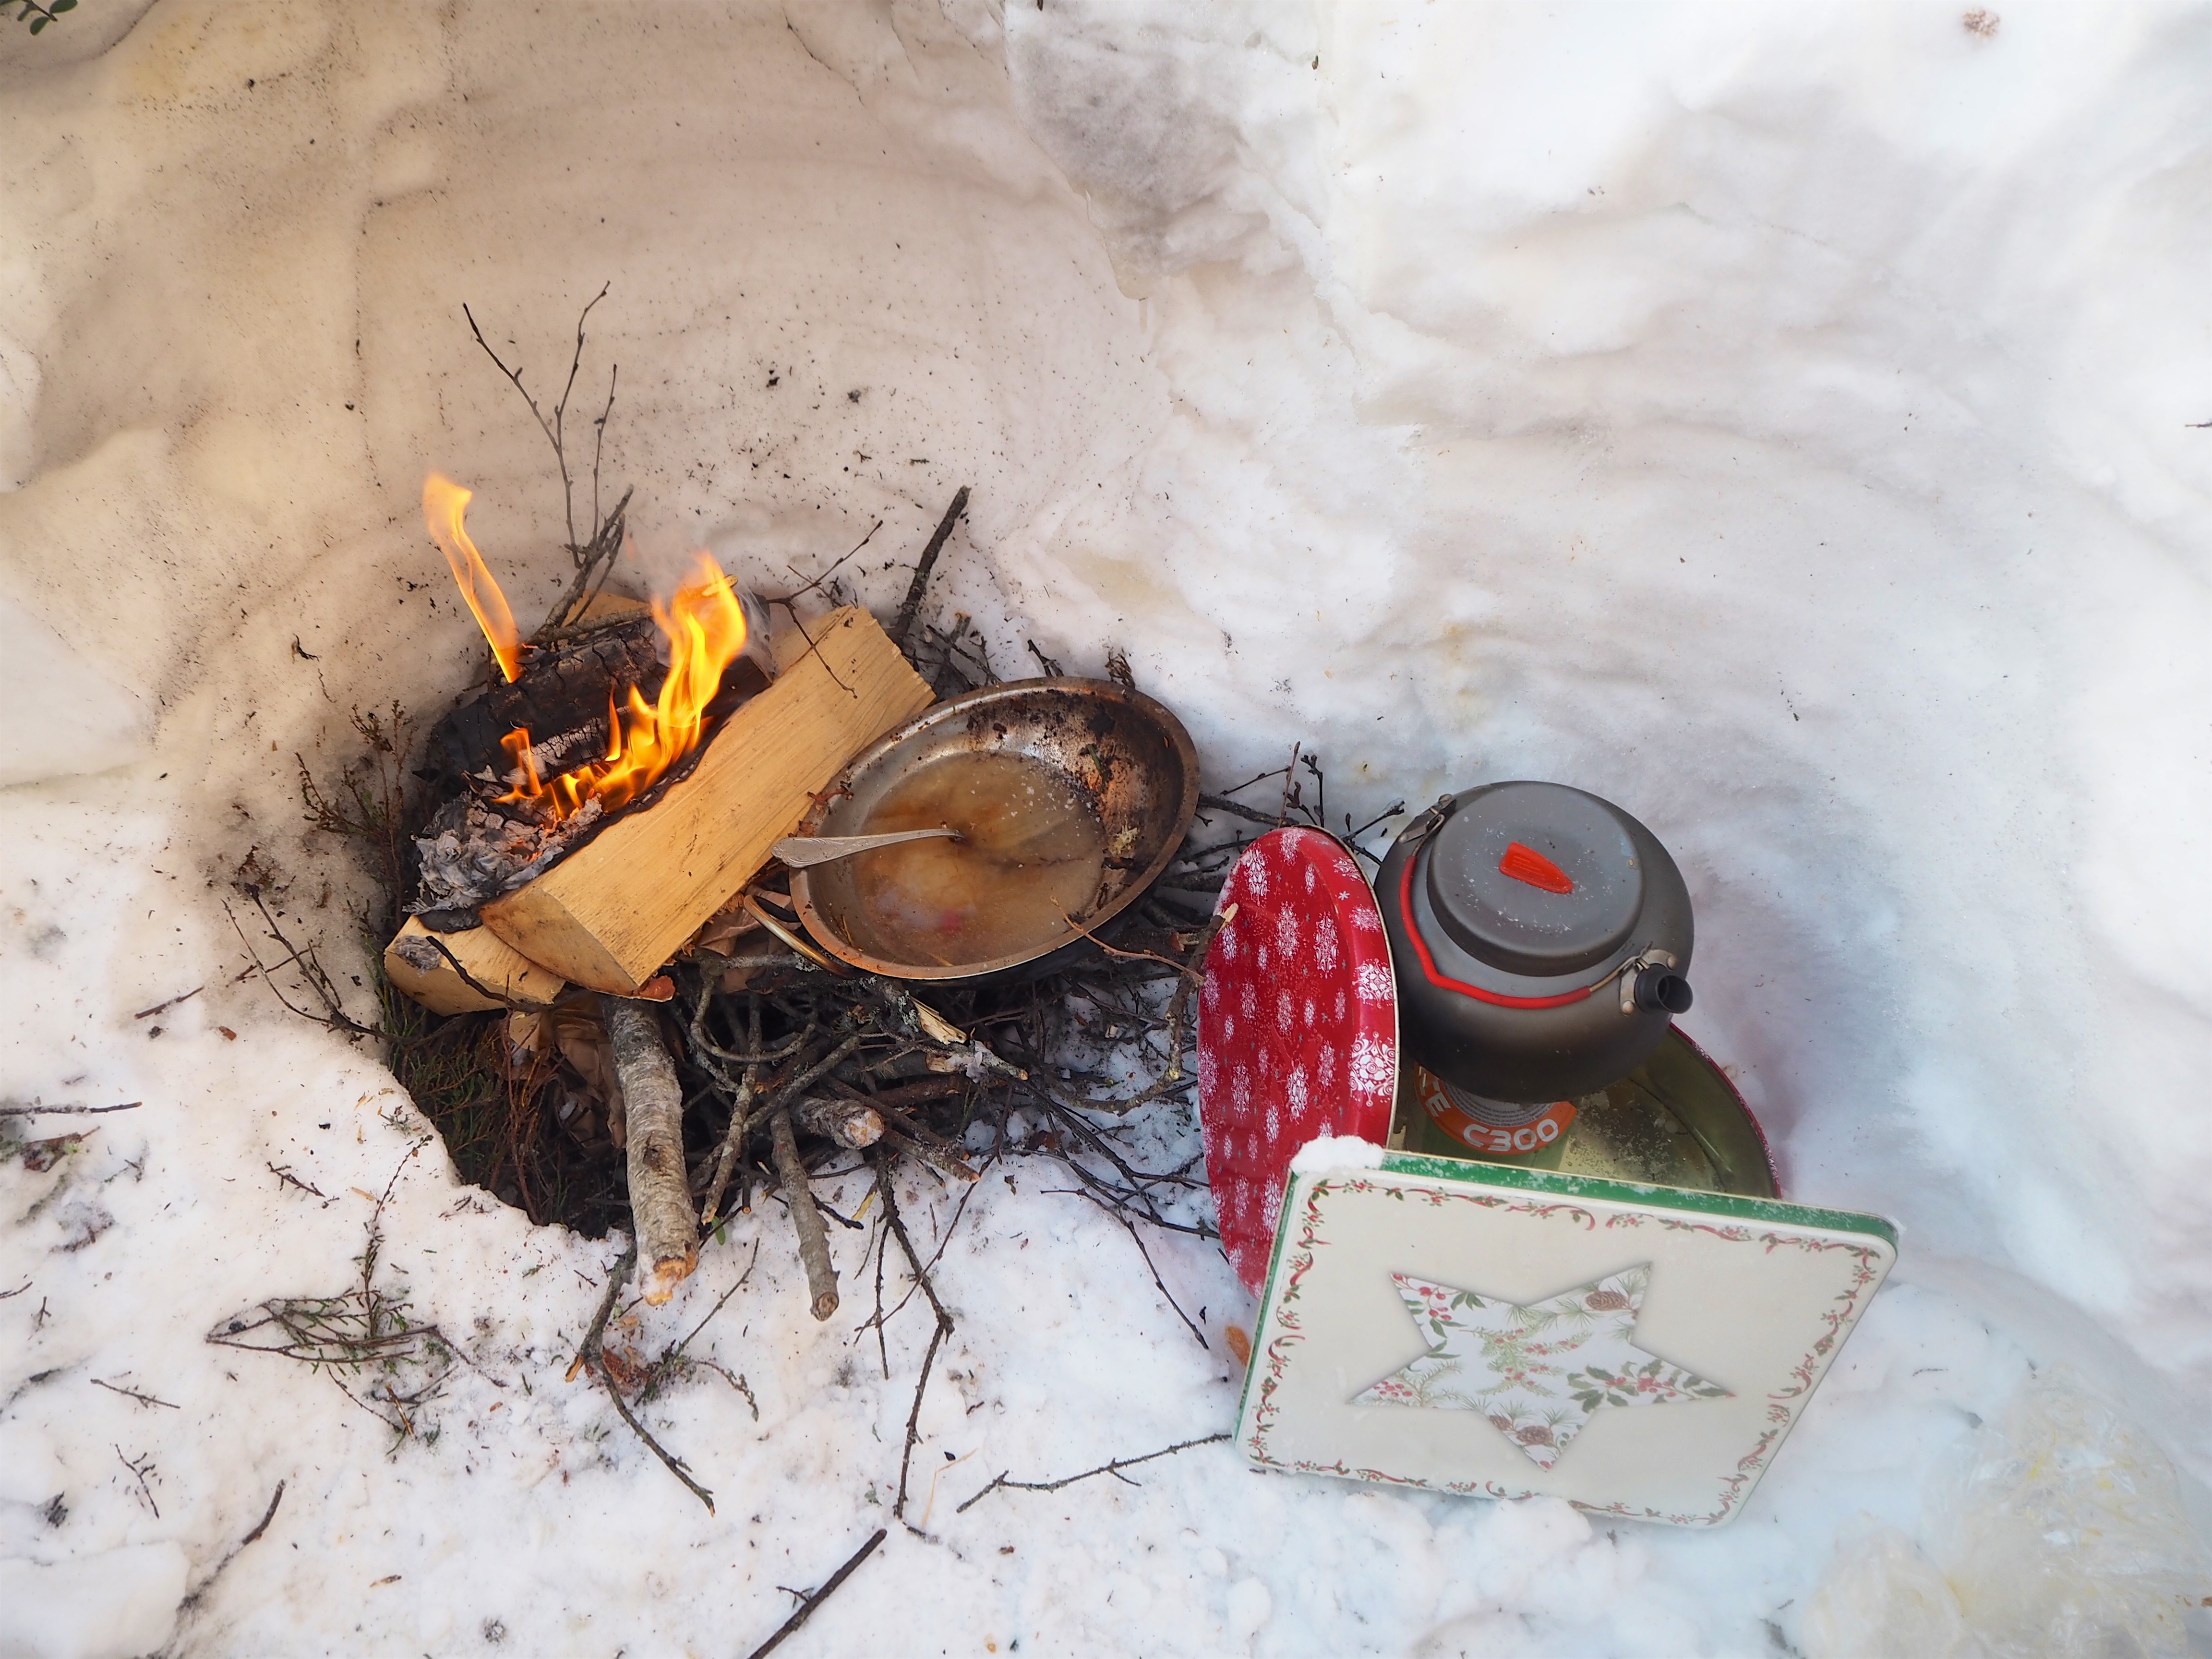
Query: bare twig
pixel 1236 809
pixel 903 625
pixel 806 1219
pixel 164 1007
pixel 553 429
pixel 1114 1468
pixel 199 1594
pixel 896 1223
pixel 141 1469
pixel 726 1158
pixel 36 1110
pixel 319 982
pixel 593 1352
pixel 675 1465
pixel 805 1608
pixel 132 1394
pixel 283 1173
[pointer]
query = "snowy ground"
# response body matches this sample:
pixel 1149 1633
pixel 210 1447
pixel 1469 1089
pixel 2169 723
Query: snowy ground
pixel 1775 418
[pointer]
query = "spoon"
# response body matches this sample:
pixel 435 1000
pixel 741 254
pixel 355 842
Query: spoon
pixel 804 852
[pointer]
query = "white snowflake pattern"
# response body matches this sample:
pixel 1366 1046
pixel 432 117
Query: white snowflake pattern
pixel 1325 1067
pixel 1340 1002
pixel 1310 1013
pixel 1240 1091
pixel 1374 1067
pixel 1275 1122
pixel 1324 945
pixel 1285 1011
pixel 1255 876
pixel 1225 942
pixel 1367 919
pixel 1271 1207
pixel 1260 961
pixel 1286 935
pixel 1294 1090
pixel 1309 878
pixel 1248 999
pixel 1209 1075
pixel 1210 997
pixel 1372 980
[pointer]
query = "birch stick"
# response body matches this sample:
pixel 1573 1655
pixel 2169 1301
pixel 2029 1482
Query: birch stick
pixel 667 1228
pixel 806 1219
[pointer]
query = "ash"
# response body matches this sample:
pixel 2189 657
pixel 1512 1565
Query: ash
pixel 477 849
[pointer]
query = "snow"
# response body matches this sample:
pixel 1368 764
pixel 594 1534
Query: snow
pixel 1778 420
pixel 1331 1154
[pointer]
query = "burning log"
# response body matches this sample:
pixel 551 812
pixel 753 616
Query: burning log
pixel 667 1231
pixel 467 973
pixel 612 913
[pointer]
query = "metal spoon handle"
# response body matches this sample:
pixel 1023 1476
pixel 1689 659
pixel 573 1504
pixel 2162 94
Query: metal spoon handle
pixel 803 852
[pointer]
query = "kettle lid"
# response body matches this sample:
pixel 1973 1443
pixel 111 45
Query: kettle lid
pixel 1535 878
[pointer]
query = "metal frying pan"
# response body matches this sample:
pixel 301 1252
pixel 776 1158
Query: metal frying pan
pixel 1119 780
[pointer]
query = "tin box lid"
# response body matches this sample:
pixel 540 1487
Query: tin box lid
pixel 1535 878
pixel 1298 1027
pixel 1640 1351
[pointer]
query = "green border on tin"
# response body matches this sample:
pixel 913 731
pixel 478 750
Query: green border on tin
pixel 1474 1172
pixel 1773 1211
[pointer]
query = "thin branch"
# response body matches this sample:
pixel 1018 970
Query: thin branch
pixel 1114 1468
pixel 1236 809
pixel 193 1600
pixel 593 1352
pixel 806 1218
pixel 164 1007
pixel 132 1394
pixel 36 1110
pixel 675 1464
pixel 805 1608
pixel 896 1223
pixel 904 623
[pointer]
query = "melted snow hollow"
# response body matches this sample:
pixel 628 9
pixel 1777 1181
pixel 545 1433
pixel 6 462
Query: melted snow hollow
pixel 1778 420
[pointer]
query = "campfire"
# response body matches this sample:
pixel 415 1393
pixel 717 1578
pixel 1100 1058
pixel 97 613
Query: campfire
pixel 649 966
pixel 619 994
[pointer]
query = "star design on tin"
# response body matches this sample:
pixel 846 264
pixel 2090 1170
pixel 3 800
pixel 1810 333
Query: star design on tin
pixel 1537 1371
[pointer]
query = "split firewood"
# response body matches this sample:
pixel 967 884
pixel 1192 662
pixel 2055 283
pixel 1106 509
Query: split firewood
pixel 667 1228
pixel 612 913
pixel 466 972
pixel 806 1219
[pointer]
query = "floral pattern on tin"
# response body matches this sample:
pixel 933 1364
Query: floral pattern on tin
pixel 1298 1027
pixel 1538 1372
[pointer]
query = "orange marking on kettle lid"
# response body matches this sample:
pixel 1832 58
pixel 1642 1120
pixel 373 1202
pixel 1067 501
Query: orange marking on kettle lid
pixel 1526 864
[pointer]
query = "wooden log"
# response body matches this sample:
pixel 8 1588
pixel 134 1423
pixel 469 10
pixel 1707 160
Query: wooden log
pixel 806 1219
pixel 610 914
pixel 653 1103
pixel 465 973
pixel 852 1124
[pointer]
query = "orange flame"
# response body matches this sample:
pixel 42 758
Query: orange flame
pixel 444 502
pixel 705 627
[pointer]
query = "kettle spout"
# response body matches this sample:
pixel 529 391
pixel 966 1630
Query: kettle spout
pixel 1657 988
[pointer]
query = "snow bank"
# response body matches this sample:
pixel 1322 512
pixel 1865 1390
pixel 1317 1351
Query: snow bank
pixel 1774 419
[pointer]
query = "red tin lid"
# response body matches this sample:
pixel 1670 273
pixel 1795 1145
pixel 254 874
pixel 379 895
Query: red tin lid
pixel 1297 1028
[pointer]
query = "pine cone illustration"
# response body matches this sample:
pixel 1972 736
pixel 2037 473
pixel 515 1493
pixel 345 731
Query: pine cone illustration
pixel 1537 1434
pixel 1605 1302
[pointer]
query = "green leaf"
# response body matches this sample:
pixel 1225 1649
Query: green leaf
pixel 38 23
pixel 63 5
